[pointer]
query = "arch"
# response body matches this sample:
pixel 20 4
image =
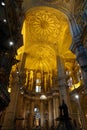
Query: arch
pixel 49 28
pixel 74 28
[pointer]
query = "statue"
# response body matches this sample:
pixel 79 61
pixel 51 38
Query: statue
pixel 64 110
pixel 64 119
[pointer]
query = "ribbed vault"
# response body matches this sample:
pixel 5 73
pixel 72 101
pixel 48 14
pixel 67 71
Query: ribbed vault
pixel 46 33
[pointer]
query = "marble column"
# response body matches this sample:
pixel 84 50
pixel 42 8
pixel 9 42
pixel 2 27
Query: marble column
pixel 9 119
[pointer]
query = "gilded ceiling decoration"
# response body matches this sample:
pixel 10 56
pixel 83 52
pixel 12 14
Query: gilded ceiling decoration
pixel 41 57
pixel 46 34
pixel 43 25
pixel 46 25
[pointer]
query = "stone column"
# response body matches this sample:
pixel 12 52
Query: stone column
pixel 22 63
pixel 32 114
pixel 63 89
pixel 20 112
pixel 42 114
pixel 79 50
pixel 9 119
pixel 55 107
pixel 81 56
pixel 82 115
pixel 50 109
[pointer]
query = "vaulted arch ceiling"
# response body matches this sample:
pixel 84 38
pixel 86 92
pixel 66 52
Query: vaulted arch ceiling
pixel 46 34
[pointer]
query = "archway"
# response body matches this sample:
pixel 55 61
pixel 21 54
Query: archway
pixel 46 34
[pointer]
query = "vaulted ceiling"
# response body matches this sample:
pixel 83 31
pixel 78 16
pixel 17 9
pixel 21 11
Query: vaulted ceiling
pixel 46 34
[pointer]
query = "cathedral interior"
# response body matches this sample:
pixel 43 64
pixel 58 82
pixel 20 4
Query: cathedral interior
pixel 43 62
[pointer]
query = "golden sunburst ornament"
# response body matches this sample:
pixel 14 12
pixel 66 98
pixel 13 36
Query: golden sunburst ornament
pixel 43 24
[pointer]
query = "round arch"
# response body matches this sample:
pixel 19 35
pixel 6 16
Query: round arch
pixel 46 26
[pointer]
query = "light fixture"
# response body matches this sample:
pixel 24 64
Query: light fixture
pixel 11 43
pixel 77 96
pixel 9 90
pixel 43 97
pixel 4 20
pixel 3 3
pixel 17 72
